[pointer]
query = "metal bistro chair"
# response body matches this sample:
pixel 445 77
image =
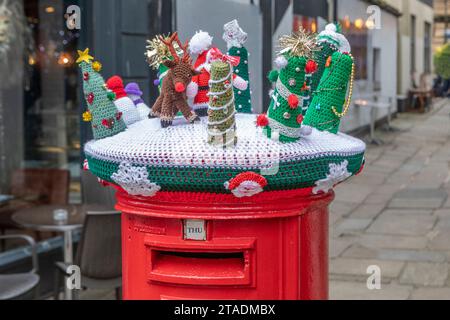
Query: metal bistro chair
pixel 98 254
pixel 17 285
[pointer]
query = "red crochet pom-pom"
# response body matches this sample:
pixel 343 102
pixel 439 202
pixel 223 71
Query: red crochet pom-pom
pixel 262 121
pixel 179 87
pixel 300 119
pixel 311 67
pixel 293 101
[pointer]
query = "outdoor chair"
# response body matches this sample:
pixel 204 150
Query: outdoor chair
pixel 34 187
pixel 98 255
pixel 16 285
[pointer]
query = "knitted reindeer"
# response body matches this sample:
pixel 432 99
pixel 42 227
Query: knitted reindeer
pixel 173 93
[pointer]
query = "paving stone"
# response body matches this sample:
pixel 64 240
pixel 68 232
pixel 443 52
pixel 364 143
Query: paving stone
pixel 358 267
pixel 440 239
pixel 338 246
pixel 431 294
pixel 425 274
pixel 378 198
pixel 419 198
pixel 350 225
pixel 443 223
pixel 367 211
pixel 361 251
pixel 353 193
pixel 409 212
pixel 392 241
pixel 345 290
pixel 402 225
pixel 341 208
pixel 442 213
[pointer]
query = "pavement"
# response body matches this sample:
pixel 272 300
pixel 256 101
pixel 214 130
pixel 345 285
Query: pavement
pixel 395 216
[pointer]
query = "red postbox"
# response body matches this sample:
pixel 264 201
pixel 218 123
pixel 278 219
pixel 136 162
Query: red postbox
pixel 268 250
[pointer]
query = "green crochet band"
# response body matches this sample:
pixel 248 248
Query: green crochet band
pixel 290 176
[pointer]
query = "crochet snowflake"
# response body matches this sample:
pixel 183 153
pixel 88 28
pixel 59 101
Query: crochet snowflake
pixel 134 180
pixel 338 173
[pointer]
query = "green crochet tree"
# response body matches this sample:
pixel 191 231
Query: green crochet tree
pixel 105 119
pixel 442 61
pixel 330 41
pixel 221 110
pixel 292 91
pixel 329 103
pixel 235 38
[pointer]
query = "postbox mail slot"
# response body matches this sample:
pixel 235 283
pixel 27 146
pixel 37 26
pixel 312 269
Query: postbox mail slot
pixel 221 262
pixel 200 268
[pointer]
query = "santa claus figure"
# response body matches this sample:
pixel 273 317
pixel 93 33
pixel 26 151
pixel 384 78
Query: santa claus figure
pixel 197 91
pixel 246 184
pixel 124 104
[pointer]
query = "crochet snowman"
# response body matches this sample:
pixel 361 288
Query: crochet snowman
pixel 135 94
pixel 124 104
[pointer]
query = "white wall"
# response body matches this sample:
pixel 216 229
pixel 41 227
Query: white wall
pixel 386 40
pixel 423 13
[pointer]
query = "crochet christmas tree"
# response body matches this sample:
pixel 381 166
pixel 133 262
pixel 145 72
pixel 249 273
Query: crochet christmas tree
pixel 330 41
pixel 221 109
pixel 292 92
pixel 235 38
pixel 105 119
pixel 442 61
pixel 329 103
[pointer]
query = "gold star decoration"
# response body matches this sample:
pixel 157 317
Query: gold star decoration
pixel 83 56
pixel 300 44
pixel 157 51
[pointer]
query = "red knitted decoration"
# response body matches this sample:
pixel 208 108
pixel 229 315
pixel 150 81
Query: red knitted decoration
pixel 247 176
pixel 90 98
pixel 300 119
pixel 115 84
pixel 311 67
pixel 293 101
pixel 262 120
pixel 179 87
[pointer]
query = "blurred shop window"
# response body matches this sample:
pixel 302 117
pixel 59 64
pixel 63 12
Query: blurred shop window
pixel 357 35
pixel 51 116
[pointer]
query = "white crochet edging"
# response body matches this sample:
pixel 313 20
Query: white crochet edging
pixel 338 173
pixel 134 180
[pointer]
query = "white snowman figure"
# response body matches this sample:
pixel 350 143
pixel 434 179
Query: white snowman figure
pixel 124 104
pixel 135 94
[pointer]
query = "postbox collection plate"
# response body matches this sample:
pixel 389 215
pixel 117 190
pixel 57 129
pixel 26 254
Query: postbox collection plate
pixel 194 230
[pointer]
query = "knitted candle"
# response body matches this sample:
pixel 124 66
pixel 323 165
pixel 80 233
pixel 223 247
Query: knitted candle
pixel 221 109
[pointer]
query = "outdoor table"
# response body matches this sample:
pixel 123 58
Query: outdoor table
pixel 40 218
pixel 374 105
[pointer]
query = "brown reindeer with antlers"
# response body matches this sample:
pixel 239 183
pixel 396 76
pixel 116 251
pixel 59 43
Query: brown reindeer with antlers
pixel 173 92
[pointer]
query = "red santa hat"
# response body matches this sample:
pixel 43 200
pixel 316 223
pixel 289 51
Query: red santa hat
pixel 115 84
pixel 246 184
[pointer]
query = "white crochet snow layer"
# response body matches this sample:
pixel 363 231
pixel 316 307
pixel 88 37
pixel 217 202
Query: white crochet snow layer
pixel 146 143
